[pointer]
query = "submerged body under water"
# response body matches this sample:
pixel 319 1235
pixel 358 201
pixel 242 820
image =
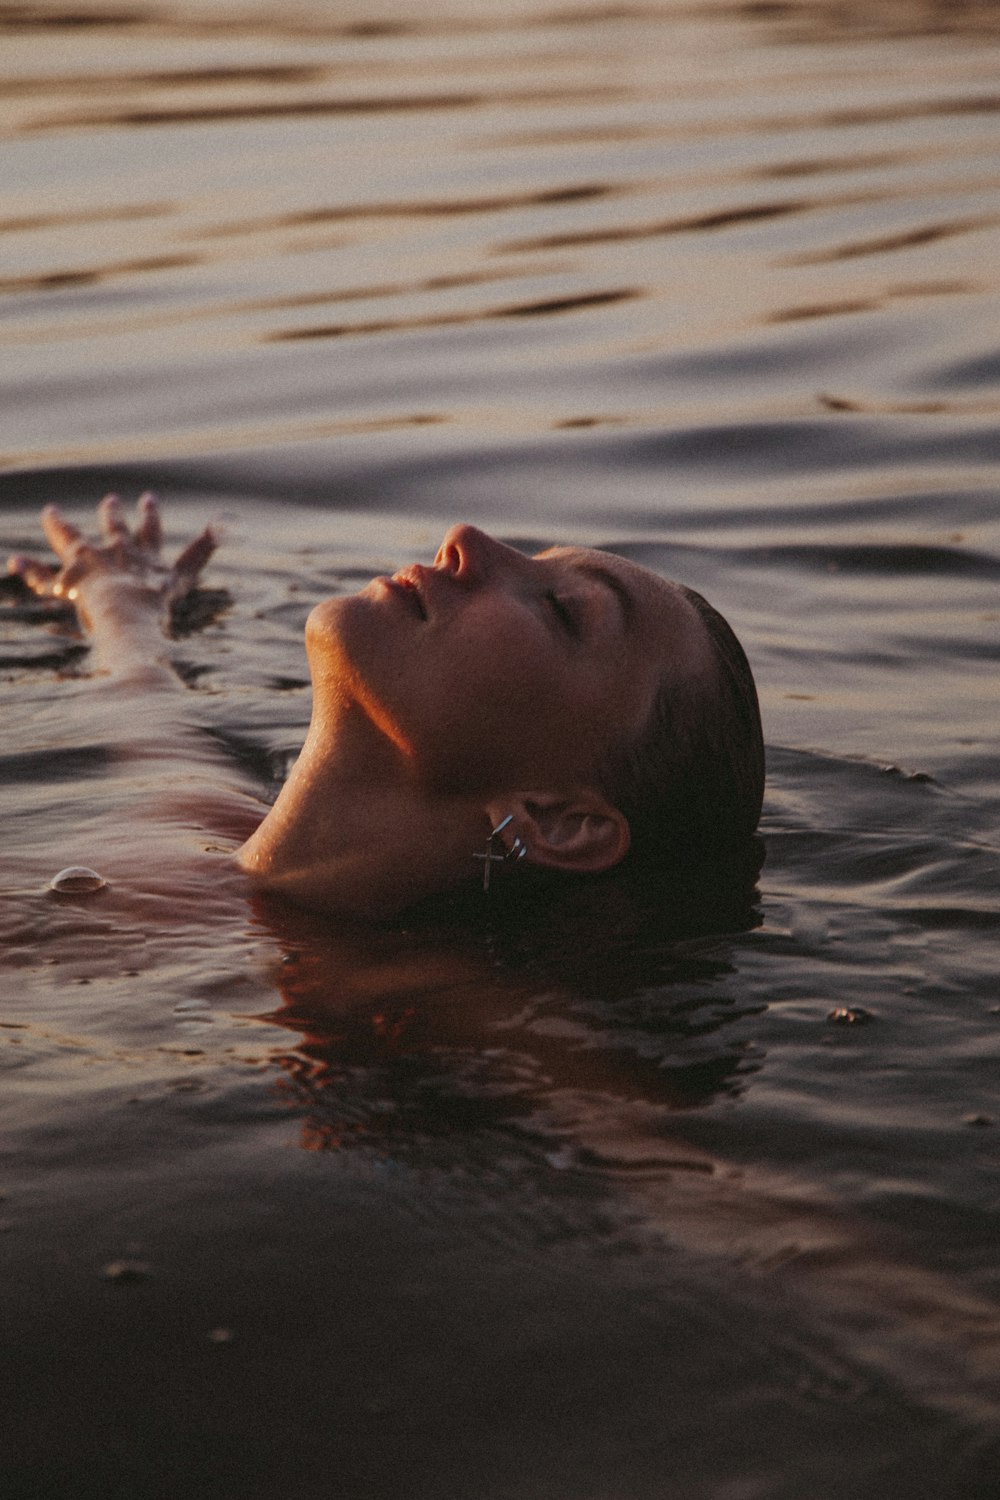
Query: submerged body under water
pixel 500 1200
pixel 612 1205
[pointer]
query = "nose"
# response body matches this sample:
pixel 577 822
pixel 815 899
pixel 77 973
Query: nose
pixel 472 555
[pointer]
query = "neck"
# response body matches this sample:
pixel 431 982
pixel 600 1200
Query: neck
pixel 351 832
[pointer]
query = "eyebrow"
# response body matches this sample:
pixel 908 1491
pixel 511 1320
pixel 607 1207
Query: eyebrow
pixel 618 587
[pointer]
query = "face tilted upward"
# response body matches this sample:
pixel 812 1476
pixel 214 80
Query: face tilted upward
pixel 492 671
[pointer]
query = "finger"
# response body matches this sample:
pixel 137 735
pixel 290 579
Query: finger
pixel 195 555
pixel 61 536
pixel 86 559
pixel 112 519
pixel 149 532
pixel 39 577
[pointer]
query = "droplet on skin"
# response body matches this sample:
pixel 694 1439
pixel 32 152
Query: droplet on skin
pixel 77 880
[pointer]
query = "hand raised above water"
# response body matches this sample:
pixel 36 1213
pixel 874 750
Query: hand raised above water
pixel 120 587
pixel 125 566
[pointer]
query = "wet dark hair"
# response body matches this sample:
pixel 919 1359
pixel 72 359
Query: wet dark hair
pixel 691 783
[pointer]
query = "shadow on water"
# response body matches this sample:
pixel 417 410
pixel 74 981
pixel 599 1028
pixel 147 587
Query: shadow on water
pixel 490 1014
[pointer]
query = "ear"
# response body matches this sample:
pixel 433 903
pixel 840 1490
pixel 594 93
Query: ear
pixel 578 831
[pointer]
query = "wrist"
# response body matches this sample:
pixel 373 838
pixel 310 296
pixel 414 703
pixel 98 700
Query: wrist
pixel 126 619
pixel 116 603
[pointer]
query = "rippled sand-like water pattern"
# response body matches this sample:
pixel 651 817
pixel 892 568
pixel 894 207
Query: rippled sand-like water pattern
pixel 541 1214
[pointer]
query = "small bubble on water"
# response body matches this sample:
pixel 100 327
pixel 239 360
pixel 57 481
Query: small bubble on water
pixel 126 1270
pixel 77 880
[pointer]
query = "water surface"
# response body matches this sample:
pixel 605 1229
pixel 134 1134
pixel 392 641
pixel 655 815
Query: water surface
pixel 425 1212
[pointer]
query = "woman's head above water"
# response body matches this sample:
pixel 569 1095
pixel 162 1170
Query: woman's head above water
pixel 604 715
pixel 572 707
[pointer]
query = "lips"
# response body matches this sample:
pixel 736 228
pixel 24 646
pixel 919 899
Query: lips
pixel 409 583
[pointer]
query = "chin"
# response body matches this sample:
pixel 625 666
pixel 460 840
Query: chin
pixel 321 622
pixel 326 654
pixel 327 631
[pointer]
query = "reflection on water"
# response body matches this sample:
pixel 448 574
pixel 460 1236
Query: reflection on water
pixel 714 285
pixel 452 1026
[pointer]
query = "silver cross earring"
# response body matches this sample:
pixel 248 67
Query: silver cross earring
pixel 489 857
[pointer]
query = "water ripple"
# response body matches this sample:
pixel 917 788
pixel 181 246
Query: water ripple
pixel 548 308
pixel 714 284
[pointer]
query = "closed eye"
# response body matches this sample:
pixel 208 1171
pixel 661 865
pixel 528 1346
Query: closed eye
pixel 564 613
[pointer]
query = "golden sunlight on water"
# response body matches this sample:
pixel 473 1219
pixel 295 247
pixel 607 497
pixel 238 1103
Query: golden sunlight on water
pixel 606 1204
pixel 331 177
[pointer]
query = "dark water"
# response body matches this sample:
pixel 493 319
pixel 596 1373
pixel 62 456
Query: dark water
pixel 422 1213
